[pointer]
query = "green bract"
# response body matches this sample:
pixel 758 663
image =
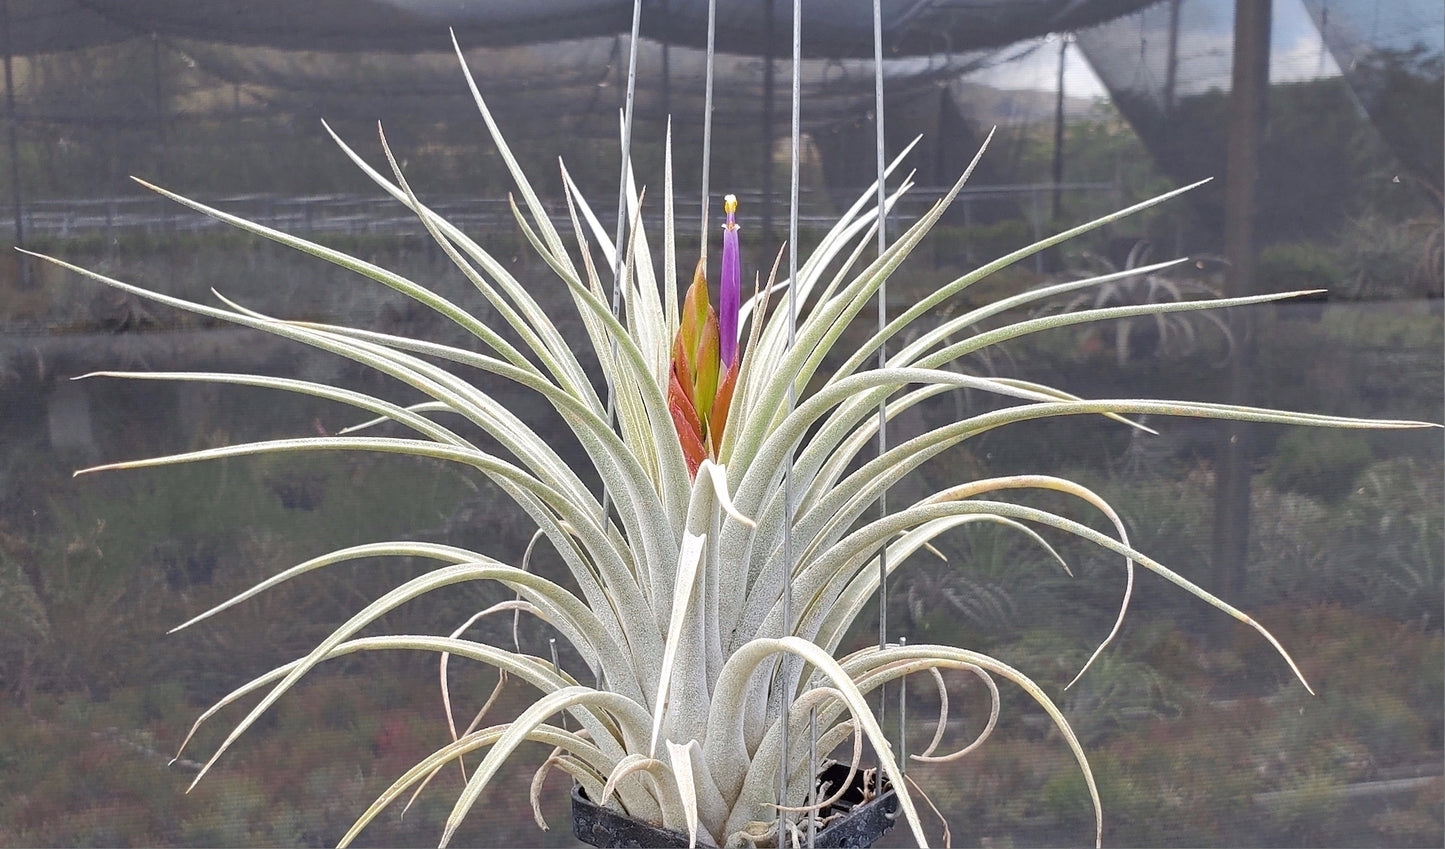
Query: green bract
pixel 689 570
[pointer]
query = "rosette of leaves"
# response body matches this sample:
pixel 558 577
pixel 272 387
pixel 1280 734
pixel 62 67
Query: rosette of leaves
pixel 678 573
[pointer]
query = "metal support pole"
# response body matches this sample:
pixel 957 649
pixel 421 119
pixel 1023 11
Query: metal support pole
pixel 626 171
pixel 813 771
pixel 789 663
pixel 903 716
pixel 881 201
pixel 557 668
pixel 626 166
pixel 1247 109
pixel 702 234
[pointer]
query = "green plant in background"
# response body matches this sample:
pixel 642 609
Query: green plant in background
pixel 715 580
pixel 1383 257
pixel 1379 547
pixel 1324 467
pixel 1292 266
pixel 1161 333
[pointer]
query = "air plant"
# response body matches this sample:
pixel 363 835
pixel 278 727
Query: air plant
pixel 677 573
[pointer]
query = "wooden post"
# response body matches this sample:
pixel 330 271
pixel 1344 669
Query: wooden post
pixel 1247 111
pixel 12 134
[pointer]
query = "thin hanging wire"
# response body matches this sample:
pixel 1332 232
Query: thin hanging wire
pixel 557 668
pixel 813 812
pixel 796 153
pixel 902 716
pixel 622 212
pixel 707 122
pixel 880 126
pixel 626 162
pixel 882 308
pixel 787 565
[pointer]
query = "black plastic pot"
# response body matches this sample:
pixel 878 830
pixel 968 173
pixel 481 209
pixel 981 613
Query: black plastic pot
pixel 860 824
pixel 603 827
pixel 863 820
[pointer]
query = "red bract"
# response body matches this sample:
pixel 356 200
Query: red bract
pixel 700 386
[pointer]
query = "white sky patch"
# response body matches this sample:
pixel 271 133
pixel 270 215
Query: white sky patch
pixel 1204 57
pixel 1037 68
pixel 1297 52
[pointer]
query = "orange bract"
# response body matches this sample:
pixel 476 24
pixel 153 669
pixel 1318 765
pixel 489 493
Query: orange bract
pixel 699 392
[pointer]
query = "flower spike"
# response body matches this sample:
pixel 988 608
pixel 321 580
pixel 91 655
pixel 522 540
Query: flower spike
pixel 705 354
pixel 730 298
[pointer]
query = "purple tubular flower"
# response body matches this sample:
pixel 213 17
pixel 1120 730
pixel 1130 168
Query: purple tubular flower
pixel 729 299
